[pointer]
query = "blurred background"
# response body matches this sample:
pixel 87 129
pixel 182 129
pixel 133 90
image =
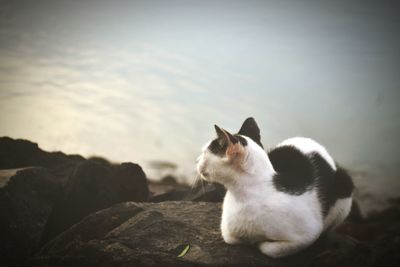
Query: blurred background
pixel 144 81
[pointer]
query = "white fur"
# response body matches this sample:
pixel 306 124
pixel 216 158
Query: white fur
pixel 255 212
pixel 338 213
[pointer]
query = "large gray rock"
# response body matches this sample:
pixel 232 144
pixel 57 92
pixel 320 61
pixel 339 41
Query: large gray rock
pixel 94 186
pixel 154 234
pixel 26 199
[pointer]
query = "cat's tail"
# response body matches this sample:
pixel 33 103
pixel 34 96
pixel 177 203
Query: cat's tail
pixel 342 189
pixel 343 183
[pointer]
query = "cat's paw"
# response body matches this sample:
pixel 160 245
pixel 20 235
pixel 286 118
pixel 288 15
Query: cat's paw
pixel 231 240
pixel 273 249
pixel 269 249
pixel 279 249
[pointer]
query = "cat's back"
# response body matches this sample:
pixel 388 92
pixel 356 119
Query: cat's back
pixel 309 146
pixel 303 165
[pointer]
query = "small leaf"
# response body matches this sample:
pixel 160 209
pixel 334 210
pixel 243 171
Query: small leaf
pixel 184 251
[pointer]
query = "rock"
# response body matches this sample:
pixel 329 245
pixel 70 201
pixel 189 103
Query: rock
pixel 387 246
pixel 92 187
pixel 134 234
pixel 40 202
pixel 26 199
pixel 100 160
pixel 207 192
pixel 17 153
pixel 358 255
pixel 167 184
pixel 154 234
pixel 380 234
pixel 375 225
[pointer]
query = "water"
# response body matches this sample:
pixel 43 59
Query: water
pixel 137 81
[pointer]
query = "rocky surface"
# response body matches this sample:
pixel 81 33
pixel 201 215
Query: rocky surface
pixel 64 211
pixel 154 234
pixel 133 234
pixel 58 190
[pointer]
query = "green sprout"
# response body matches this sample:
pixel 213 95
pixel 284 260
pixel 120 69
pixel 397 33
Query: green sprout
pixel 184 251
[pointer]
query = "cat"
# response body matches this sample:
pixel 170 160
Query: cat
pixel 281 201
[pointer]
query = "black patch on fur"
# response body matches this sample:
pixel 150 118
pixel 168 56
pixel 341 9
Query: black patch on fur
pixel 295 172
pixel 217 147
pixel 298 173
pixel 232 138
pixel 343 183
pixel 250 129
pixel 326 182
pixel 331 185
pixel 241 139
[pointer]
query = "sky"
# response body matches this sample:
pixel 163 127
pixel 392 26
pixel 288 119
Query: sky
pixel 147 80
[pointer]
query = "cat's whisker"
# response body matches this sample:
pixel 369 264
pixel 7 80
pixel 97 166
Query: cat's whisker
pixel 195 181
pixel 202 187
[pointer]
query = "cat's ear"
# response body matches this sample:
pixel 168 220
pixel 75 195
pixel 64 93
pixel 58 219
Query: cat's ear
pixel 234 151
pixel 250 129
pixel 220 133
pixel 225 136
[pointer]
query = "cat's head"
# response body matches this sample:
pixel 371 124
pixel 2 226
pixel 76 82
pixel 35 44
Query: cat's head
pixel 230 155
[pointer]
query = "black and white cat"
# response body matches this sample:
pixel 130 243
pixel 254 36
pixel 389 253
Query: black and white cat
pixel 281 200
